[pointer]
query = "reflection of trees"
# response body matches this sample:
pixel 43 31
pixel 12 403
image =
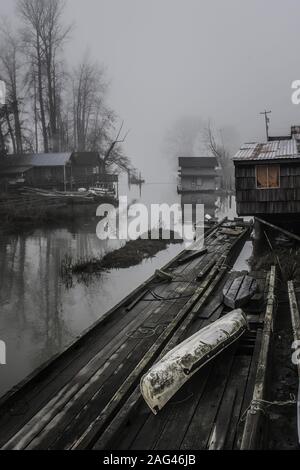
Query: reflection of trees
pixel 37 309
pixel 7 265
pixel 31 291
pixel 53 328
pixel 20 310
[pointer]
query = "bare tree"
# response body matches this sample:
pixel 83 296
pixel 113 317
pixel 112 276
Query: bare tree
pixel 3 133
pixel 218 150
pixel 44 35
pixel 32 15
pixel 41 111
pixel 90 115
pixel 53 35
pixel 114 153
pixel 11 73
pixel 183 139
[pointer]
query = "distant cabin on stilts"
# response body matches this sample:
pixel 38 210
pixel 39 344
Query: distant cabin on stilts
pixel 198 175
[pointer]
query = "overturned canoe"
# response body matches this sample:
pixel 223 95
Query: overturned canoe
pixel 237 292
pixel 166 377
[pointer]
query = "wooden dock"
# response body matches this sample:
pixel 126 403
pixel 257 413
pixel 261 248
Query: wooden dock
pixel 89 396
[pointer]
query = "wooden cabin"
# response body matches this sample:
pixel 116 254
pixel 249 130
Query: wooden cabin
pixel 37 170
pixel 86 168
pixel 198 175
pixel 53 170
pixel 267 177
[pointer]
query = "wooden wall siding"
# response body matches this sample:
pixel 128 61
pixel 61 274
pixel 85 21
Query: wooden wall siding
pixel 256 208
pixel 251 201
pixel 266 195
pixel 48 173
pixel 286 182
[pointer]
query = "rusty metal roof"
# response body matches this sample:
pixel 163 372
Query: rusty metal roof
pixel 275 150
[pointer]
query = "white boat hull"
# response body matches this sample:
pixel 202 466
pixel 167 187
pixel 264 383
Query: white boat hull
pixel 166 377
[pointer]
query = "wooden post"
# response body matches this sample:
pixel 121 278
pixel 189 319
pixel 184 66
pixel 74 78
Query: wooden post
pixel 65 183
pixel 71 172
pixel 253 431
pixel 296 333
pixel 257 229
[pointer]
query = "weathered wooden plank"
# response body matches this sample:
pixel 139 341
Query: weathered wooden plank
pixel 191 256
pixel 295 317
pixel 202 423
pixel 253 431
pixel 239 291
pixel 221 426
pixel 239 381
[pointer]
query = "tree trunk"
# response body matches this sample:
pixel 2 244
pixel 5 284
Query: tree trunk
pixel 41 98
pixel 18 132
pixel 2 142
pixel 10 130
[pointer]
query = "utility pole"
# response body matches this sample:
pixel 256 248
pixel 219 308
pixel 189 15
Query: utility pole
pixel 267 121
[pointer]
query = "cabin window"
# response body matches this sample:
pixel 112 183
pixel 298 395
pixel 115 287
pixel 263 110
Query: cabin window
pixel 267 176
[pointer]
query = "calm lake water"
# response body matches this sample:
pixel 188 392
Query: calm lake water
pixel 39 315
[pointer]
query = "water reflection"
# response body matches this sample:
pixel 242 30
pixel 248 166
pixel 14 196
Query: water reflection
pixel 215 205
pixel 39 316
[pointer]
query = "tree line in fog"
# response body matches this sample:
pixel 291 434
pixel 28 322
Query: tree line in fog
pixel 50 106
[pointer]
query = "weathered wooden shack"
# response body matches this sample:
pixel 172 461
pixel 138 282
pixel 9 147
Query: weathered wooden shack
pixel 40 170
pixel 53 170
pixel 86 168
pixel 198 174
pixel 267 178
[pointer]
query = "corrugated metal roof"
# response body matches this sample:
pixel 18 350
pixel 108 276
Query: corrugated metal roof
pixel 40 159
pixel 277 149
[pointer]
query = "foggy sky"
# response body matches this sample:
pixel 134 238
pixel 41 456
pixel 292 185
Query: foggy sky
pixel 224 60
